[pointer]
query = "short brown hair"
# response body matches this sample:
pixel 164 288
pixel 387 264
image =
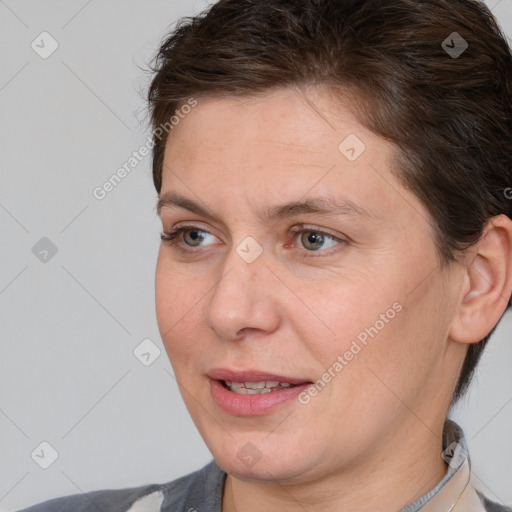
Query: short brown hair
pixel 449 115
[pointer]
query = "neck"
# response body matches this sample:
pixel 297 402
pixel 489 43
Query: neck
pixel 398 472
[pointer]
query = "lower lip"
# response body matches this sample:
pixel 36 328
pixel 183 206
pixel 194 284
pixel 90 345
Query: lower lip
pixel 252 405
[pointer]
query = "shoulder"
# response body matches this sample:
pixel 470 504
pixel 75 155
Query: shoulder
pixel 197 489
pixel 105 500
pixel 490 506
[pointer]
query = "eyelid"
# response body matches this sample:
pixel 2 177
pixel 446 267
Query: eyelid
pixel 171 236
pixel 316 229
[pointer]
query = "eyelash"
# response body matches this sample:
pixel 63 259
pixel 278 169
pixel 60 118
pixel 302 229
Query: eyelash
pixel 171 238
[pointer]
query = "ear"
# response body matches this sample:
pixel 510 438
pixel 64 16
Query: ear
pixel 487 283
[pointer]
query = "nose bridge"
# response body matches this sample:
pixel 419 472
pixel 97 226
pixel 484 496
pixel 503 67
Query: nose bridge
pixel 242 297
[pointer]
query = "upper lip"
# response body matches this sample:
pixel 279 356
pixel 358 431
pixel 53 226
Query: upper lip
pixel 251 376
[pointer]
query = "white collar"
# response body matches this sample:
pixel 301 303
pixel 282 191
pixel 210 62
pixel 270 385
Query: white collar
pixel 454 493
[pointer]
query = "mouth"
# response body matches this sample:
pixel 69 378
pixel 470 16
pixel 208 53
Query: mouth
pixel 251 392
pixel 256 388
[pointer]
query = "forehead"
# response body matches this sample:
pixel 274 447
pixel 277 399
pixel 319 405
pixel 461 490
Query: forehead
pixel 297 122
pixel 281 146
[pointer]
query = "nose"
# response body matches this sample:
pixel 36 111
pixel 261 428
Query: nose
pixel 243 300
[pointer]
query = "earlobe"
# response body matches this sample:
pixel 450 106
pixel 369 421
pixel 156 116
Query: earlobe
pixel 488 283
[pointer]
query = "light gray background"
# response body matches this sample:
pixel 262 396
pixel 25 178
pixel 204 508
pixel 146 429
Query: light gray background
pixel 68 375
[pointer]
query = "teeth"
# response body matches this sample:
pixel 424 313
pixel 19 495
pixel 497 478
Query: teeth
pixel 256 388
pixel 255 385
pixel 236 385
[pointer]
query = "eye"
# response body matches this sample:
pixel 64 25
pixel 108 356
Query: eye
pixel 192 236
pixel 312 239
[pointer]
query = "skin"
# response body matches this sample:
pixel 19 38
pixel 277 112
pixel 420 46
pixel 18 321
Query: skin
pixel 294 310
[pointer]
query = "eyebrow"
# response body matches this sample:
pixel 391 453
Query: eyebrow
pixel 315 205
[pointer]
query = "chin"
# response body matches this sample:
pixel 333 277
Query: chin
pixel 246 459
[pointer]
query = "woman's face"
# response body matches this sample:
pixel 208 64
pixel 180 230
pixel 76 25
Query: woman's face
pixel 341 288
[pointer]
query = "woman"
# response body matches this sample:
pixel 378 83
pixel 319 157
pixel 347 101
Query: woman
pixel 334 189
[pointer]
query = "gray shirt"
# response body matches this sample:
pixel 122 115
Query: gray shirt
pixel 202 490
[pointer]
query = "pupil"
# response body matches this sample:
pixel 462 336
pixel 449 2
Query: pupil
pixel 314 239
pixel 193 236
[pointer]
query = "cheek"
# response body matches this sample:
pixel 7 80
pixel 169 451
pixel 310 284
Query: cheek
pixel 165 296
pixel 178 309
pixel 377 328
pixel 401 357
pixel 352 311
